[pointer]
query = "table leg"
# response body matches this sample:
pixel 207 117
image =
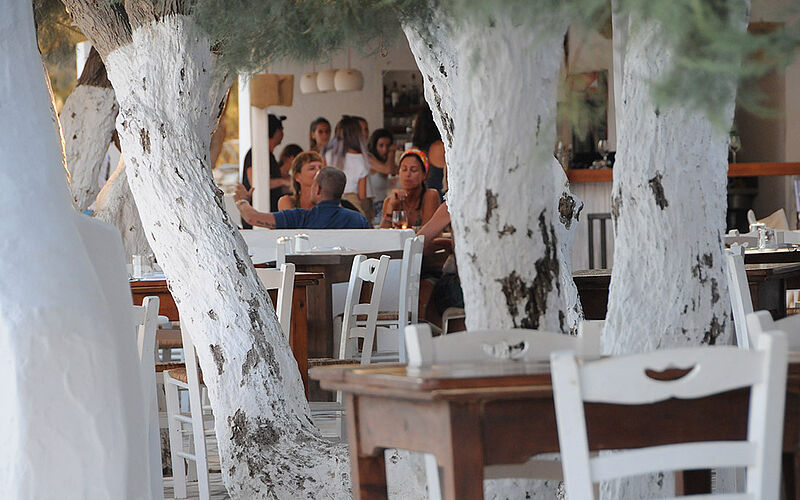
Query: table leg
pixel 298 337
pixel 320 318
pixel 367 471
pixel 462 463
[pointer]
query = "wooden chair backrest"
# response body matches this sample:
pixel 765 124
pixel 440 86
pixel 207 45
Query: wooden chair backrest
pixel 739 291
pixel 625 380
pixel 374 271
pixel 283 281
pixel 481 345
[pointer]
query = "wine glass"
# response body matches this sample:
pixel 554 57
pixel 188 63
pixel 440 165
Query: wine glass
pixel 399 219
pixel 602 148
pixel 735 145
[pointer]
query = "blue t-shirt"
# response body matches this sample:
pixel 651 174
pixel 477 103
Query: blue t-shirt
pixel 326 215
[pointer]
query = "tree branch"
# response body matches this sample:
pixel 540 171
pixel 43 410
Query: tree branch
pixel 104 23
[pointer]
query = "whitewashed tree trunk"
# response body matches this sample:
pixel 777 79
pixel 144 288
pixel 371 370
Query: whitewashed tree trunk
pixel 116 206
pixel 87 121
pixel 70 398
pixel 268 445
pixel 668 285
pixel 491 84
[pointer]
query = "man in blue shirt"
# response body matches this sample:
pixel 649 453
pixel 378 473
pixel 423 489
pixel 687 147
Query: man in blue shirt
pixel 326 194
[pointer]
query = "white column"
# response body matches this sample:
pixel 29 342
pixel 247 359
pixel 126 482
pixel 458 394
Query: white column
pixel 82 50
pixel 245 132
pixel 260 133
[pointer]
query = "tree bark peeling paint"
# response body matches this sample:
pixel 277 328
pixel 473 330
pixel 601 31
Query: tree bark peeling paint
pixel 515 80
pixel 484 111
pixel 268 445
pixel 668 208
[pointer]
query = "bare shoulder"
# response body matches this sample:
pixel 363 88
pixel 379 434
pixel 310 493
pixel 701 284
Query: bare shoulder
pixel 286 202
pixel 431 196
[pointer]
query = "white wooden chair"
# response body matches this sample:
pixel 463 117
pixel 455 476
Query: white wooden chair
pixel 374 271
pixel 424 350
pixel 190 379
pixel 623 380
pixel 145 319
pixel 761 321
pixel 283 280
pixel 393 323
pixel 739 291
pixel 450 314
pixel 370 270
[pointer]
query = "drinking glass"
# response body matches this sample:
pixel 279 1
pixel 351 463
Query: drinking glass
pixel 735 145
pixel 399 220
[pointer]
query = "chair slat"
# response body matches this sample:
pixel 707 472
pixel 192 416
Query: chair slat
pixel 673 457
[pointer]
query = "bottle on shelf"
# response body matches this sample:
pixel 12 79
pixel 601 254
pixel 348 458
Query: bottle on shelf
pixel 395 95
pixel 414 91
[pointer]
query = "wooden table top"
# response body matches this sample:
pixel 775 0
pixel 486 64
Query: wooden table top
pixel 490 380
pixel 754 271
pixel 334 258
pixel 160 286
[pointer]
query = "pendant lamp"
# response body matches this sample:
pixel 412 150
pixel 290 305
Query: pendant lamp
pixel 348 80
pixel 308 82
pixel 325 79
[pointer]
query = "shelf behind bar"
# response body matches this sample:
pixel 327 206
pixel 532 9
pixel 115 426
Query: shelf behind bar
pixel 734 170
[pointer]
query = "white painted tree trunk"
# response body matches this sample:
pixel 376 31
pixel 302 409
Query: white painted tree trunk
pixel 70 397
pixel 668 285
pixel 491 84
pixel 116 206
pixel 268 444
pixel 87 121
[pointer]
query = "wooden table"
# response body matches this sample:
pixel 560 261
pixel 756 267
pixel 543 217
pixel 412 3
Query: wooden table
pixel 298 332
pixel 768 285
pixel 335 268
pixel 471 415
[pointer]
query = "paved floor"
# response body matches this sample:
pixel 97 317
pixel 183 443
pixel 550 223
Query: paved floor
pixel 328 427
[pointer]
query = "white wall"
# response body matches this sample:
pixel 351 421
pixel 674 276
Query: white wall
pixel 367 102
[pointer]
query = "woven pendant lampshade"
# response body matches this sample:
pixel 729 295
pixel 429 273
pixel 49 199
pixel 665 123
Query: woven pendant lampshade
pixel 325 80
pixel 308 83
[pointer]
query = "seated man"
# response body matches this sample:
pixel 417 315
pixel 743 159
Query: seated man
pixel 326 193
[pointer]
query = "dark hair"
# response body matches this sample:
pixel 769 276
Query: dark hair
pixel 289 150
pixel 331 181
pixel 312 144
pixel 275 123
pixel 247 164
pixel 297 165
pixel 425 132
pixel 378 134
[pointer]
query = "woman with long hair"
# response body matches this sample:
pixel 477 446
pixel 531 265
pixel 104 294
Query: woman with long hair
pixel 304 168
pixel 426 137
pixel 414 198
pixel 381 149
pixel 348 152
pixel 319 134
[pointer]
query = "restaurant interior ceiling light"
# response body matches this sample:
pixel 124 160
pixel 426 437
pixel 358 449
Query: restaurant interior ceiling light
pixel 325 80
pixel 348 80
pixel 308 83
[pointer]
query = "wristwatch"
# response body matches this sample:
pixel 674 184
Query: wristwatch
pixel 239 202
